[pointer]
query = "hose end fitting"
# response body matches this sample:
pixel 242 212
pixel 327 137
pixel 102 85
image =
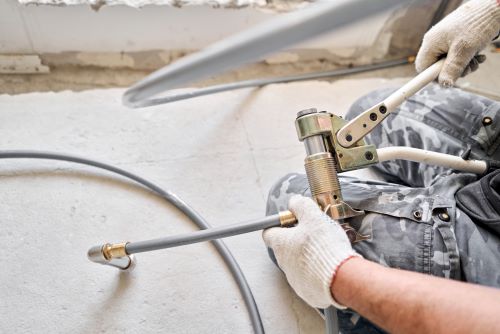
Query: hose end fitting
pixel 287 219
pixel 114 255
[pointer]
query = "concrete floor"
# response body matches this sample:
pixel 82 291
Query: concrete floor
pixel 220 153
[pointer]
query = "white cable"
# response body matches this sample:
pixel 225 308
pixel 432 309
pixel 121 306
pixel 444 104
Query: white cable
pixel 432 158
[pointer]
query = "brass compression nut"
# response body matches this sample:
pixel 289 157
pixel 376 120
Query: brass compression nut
pixel 111 251
pixel 287 218
pixel 322 174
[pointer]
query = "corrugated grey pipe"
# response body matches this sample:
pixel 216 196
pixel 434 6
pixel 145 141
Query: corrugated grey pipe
pixel 254 43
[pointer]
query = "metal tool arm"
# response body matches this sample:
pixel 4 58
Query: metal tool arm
pixel 359 127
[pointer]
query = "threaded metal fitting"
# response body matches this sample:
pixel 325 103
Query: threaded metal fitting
pixel 322 175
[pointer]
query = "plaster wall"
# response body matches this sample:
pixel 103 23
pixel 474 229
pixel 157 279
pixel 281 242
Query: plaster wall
pixel 53 29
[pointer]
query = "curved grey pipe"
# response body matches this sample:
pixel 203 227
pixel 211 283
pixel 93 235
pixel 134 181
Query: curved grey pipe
pixel 266 81
pixel 331 320
pixel 176 201
pixel 255 43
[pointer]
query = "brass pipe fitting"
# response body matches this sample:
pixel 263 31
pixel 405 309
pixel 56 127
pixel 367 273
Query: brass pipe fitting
pixel 287 218
pixel 114 255
pixel 111 251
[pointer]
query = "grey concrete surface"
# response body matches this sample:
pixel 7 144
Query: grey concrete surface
pixel 220 153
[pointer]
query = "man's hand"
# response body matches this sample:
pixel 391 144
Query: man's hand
pixel 311 252
pixel 460 36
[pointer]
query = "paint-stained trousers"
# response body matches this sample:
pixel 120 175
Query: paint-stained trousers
pixel 412 217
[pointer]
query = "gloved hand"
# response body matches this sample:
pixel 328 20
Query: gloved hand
pixel 311 252
pixel 460 35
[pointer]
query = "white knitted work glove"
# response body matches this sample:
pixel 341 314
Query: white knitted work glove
pixel 310 252
pixel 460 36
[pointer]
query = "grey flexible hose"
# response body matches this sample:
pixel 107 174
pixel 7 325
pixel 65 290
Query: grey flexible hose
pixel 267 81
pixel 255 43
pixel 172 198
pixel 331 320
pixel 204 235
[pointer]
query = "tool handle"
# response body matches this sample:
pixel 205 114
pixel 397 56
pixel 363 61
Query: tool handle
pixel 364 123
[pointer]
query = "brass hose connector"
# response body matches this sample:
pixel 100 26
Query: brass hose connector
pixel 111 251
pixel 287 218
pixel 114 255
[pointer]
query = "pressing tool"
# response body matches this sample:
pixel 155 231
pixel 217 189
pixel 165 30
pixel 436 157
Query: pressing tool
pixel 332 146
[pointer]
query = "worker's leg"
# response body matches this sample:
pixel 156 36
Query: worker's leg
pixel 446 120
pixel 404 223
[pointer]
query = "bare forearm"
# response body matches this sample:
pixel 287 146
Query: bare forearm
pixel 406 302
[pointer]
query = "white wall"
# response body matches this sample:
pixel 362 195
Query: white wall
pixel 43 29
